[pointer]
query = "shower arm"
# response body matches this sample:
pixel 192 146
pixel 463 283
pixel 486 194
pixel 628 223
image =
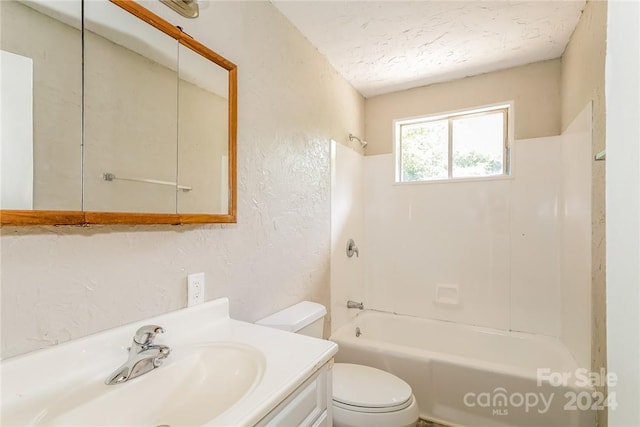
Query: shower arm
pixel 363 143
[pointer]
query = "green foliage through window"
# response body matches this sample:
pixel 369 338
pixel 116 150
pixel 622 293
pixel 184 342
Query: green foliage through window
pixel 459 146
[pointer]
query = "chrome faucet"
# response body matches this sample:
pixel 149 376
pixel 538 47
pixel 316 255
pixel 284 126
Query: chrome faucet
pixel 144 355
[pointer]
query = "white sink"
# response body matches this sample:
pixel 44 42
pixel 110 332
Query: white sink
pixel 195 384
pixel 221 372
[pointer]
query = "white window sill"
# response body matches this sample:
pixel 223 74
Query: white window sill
pixel 457 180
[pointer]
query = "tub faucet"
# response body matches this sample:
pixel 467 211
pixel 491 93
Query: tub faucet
pixel 354 304
pixel 144 355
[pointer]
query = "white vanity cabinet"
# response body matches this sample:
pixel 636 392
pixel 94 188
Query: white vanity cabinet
pixel 307 406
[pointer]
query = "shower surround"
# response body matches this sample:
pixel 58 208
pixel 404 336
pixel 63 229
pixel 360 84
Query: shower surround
pixel 512 254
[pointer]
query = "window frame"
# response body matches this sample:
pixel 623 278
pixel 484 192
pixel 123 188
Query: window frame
pixel 505 107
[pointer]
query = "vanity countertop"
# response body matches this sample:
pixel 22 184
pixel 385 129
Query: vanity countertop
pixel 36 385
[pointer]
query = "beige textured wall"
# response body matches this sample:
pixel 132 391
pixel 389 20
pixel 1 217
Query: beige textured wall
pixel 535 88
pixel 583 72
pixel 61 283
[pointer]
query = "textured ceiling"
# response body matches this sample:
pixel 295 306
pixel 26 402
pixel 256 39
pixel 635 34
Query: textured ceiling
pixel 385 46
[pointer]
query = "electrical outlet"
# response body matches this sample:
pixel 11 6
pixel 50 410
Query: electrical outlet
pixel 195 289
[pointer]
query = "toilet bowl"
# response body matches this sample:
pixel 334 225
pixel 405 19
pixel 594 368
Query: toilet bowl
pixel 366 396
pixel 362 395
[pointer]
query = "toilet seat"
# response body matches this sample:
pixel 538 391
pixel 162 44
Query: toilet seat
pixel 368 410
pixel 365 389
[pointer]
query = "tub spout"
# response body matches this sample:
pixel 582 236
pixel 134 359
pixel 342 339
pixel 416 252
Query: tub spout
pixel 355 304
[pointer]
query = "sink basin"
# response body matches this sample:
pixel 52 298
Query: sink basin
pixel 221 372
pixel 196 384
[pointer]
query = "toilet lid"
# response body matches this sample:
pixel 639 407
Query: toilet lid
pixel 366 387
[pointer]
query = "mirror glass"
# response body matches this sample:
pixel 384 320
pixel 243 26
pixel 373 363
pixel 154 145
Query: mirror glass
pixel 41 91
pixel 131 104
pixel 110 114
pixel 203 135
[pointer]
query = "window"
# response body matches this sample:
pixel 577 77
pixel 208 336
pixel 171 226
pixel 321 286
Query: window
pixel 466 144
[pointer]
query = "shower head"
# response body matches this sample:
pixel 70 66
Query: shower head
pixel 363 143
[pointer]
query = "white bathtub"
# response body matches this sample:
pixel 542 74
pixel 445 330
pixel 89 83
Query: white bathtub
pixel 473 376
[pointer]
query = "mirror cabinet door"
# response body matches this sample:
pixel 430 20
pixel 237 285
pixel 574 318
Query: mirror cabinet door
pixel 203 135
pixel 131 125
pixel 110 114
pixel 41 91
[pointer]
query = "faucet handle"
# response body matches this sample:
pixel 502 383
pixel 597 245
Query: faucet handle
pixel 163 352
pixel 146 334
pixel 352 248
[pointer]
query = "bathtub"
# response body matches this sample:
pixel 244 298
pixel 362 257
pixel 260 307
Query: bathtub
pixel 472 376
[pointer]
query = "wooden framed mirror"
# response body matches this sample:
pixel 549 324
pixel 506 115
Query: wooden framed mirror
pixel 150 119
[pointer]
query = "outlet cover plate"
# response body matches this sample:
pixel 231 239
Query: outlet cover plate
pixel 195 289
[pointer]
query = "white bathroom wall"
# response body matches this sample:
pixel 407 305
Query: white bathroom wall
pixel 494 243
pixel 60 283
pixel 535 236
pixel 575 247
pixel 419 236
pixel 347 221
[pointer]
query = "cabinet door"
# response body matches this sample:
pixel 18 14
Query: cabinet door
pixel 41 105
pixel 203 135
pixel 323 420
pixel 306 406
pixel 131 125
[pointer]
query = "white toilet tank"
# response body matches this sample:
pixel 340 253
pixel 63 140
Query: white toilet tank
pixel 306 318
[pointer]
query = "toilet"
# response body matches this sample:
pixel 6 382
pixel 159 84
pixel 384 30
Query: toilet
pixel 362 395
